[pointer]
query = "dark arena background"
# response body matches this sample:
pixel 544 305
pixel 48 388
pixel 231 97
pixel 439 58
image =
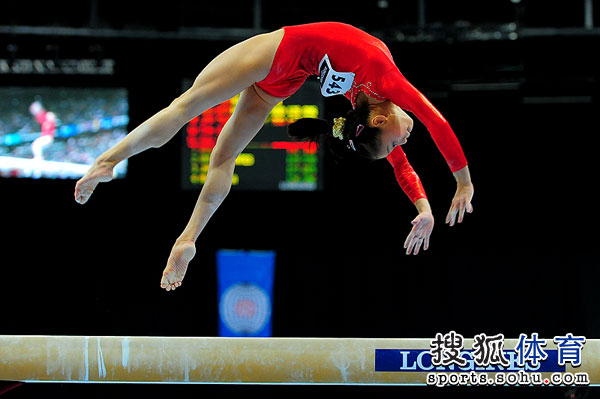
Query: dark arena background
pixel 516 79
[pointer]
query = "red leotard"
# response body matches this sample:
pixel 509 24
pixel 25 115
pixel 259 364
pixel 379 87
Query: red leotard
pixel 352 50
pixel 48 124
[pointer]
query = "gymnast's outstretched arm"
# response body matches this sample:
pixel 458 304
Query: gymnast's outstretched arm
pixel 411 185
pixel 402 93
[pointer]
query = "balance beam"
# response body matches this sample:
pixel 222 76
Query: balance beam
pixel 360 361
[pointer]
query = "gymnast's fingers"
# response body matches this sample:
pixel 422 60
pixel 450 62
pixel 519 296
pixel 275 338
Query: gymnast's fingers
pixel 413 245
pixel 418 243
pixel 409 238
pixel 426 244
pixel 410 247
pixel 461 213
pixel 451 218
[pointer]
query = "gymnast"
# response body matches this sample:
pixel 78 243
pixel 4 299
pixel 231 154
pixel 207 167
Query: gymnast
pixel 266 69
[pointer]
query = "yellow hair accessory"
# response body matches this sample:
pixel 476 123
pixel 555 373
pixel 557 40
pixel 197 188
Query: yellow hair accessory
pixel 338 127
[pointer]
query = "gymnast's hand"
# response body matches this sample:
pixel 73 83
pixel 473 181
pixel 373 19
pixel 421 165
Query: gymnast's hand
pixel 182 253
pixel 419 235
pixel 101 171
pixel 460 203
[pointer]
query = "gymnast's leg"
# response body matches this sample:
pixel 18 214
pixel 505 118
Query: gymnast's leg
pixel 228 74
pixel 249 116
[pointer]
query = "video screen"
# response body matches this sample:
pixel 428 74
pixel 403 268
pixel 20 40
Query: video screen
pixel 272 161
pixel 58 132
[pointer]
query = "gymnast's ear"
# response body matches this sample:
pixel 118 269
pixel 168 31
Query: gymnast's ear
pixel 378 120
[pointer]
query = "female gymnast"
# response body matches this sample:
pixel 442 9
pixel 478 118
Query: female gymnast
pixel 270 67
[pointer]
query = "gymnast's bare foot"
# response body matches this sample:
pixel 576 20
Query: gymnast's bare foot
pixel 101 171
pixel 181 255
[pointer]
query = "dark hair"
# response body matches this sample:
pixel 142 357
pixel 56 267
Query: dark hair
pixel 366 144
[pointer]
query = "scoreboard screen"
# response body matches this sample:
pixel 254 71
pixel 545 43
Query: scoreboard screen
pixel 271 161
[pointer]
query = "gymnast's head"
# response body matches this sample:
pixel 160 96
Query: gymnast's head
pixel 367 132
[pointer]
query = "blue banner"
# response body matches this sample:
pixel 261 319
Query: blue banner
pixel 419 360
pixel 245 289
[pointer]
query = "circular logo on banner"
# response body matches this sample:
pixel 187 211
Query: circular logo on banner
pixel 245 308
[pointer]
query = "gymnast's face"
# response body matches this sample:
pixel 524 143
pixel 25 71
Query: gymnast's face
pixel 394 124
